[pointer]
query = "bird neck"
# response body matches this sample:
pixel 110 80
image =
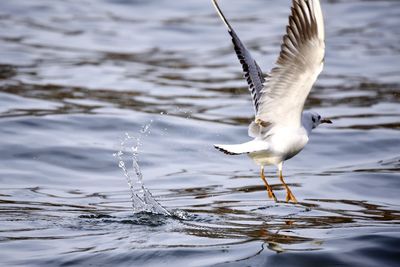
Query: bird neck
pixel 306 122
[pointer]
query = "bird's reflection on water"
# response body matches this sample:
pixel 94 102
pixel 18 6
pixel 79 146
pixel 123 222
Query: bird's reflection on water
pixel 278 224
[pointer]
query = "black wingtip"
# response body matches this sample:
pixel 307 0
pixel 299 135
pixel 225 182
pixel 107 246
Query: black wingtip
pixel 225 151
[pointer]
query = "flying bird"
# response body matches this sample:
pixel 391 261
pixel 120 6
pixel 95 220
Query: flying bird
pixel 280 128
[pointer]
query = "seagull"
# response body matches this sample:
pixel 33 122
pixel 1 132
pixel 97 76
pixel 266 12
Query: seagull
pixel 281 129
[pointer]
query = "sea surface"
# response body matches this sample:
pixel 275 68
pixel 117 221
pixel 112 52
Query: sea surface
pixel 78 77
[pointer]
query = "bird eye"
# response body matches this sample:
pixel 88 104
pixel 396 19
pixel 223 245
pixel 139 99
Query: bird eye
pixel 313 119
pixel 319 117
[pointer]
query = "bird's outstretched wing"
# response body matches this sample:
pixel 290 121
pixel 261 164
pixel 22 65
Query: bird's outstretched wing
pixel 279 97
pixel 252 72
pixel 300 62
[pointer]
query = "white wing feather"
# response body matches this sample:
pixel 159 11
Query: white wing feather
pixel 297 68
pixel 279 97
pixel 245 148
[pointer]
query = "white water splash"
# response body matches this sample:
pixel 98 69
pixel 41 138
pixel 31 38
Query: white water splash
pixel 142 199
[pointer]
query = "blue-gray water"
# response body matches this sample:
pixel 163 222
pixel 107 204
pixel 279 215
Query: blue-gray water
pixel 76 75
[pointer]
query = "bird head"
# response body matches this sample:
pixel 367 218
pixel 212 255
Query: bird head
pixel 312 119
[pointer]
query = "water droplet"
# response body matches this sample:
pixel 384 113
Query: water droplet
pixel 145 128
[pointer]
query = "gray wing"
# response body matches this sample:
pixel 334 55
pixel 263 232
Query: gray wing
pixel 252 71
pixel 297 68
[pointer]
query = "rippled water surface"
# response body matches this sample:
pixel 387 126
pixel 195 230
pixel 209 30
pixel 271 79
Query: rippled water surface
pixel 75 76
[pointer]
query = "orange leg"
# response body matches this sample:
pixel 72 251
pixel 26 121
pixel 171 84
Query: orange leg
pixel 269 189
pixel 289 194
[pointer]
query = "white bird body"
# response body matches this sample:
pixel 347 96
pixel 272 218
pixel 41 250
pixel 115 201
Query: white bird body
pixel 280 144
pixel 281 129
